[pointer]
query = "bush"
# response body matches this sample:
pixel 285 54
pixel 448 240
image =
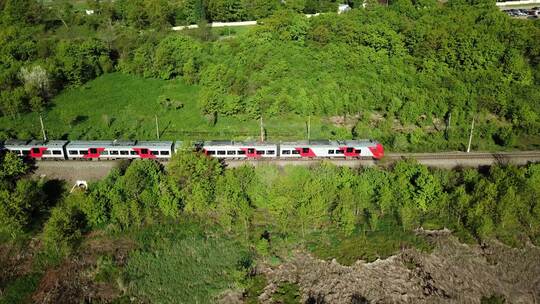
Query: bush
pixel 64 228
pixel 504 137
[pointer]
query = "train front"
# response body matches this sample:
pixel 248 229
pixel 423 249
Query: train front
pixel 377 150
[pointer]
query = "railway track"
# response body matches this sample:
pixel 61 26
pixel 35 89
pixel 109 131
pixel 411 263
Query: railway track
pixel 464 155
pixel 94 170
pixel 444 159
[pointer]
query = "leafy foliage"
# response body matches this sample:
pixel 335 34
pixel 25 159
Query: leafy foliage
pixel 65 226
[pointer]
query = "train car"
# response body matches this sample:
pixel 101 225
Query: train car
pixel 154 149
pixel 119 149
pixel 37 149
pixel 332 149
pixel 240 150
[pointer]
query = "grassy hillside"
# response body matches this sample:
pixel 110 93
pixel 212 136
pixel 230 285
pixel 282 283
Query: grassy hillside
pixel 124 106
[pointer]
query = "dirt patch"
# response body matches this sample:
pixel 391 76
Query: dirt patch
pixel 74 280
pixel 72 171
pixel 16 261
pixel 345 121
pixel 452 273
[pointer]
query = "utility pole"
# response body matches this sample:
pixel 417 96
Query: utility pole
pixel 42 128
pixel 262 130
pixel 309 128
pixel 470 136
pixel 157 127
pixel 448 125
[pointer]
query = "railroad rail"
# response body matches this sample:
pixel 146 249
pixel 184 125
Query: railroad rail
pixel 73 170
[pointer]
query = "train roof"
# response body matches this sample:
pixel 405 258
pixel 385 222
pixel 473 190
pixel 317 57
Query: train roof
pixel 149 144
pixel 50 143
pixel 329 143
pixel 237 143
pixel 81 144
pixel 16 142
pixel 309 143
pixel 21 144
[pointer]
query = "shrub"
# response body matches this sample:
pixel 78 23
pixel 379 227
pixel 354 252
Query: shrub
pixel 504 137
pixel 64 228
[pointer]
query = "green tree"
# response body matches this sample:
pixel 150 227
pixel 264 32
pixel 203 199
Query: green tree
pixel 64 229
pixel 173 54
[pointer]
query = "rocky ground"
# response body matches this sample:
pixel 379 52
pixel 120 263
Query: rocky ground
pixel 452 273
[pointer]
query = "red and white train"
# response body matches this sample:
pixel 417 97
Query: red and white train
pixel 163 150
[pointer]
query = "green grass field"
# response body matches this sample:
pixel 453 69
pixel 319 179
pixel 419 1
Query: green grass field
pixel 367 246
pixel 120 106
pixel 181 263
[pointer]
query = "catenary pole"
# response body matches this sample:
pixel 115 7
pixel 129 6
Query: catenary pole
pixel 42 127
pixel 157 127
pixel 309 128
pixel 470 136
pixel 262 130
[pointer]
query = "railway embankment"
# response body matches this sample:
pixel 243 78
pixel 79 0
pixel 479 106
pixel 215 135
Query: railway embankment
pixel 72 171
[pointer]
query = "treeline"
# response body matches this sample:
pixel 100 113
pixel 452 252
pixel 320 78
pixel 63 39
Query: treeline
pixel 35 63
pixel 501 202
pixel 50 46
pixel 421 66
pixel 427 66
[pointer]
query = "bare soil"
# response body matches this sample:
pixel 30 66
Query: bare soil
pixel 16 261
pixel 452 273
pixel 73 171
pixel 73 281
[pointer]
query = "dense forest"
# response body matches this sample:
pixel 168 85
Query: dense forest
pixel 407 73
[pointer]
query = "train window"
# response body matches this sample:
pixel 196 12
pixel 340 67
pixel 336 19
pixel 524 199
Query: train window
pixel 164 152
pixel 339 151
pixel 251 151
pixel 124 152
pixel 18 152
pixel 113 152
pixel 231 152
pixel 133 152
pixel 270 152
pixel 47 152
pixel 260 152
pixel 93 151
pixel 210 152
pixel 241 152
pixel 286 152
pixel 305 150
pixel 295 152
pixel 73 152
pixel 35 150
pixel 144 151
pixel 104 152
pixel 221 152
pixel 350 150
pixel 155 152
pixel 83 152
pixel 358 151
pixel 56 152
pixel 25 152
pixel 330 151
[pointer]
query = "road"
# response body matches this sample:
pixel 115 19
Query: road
pixel 226 24
pixel 72 171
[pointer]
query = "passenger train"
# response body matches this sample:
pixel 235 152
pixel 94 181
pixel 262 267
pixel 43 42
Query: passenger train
pixel 163 150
